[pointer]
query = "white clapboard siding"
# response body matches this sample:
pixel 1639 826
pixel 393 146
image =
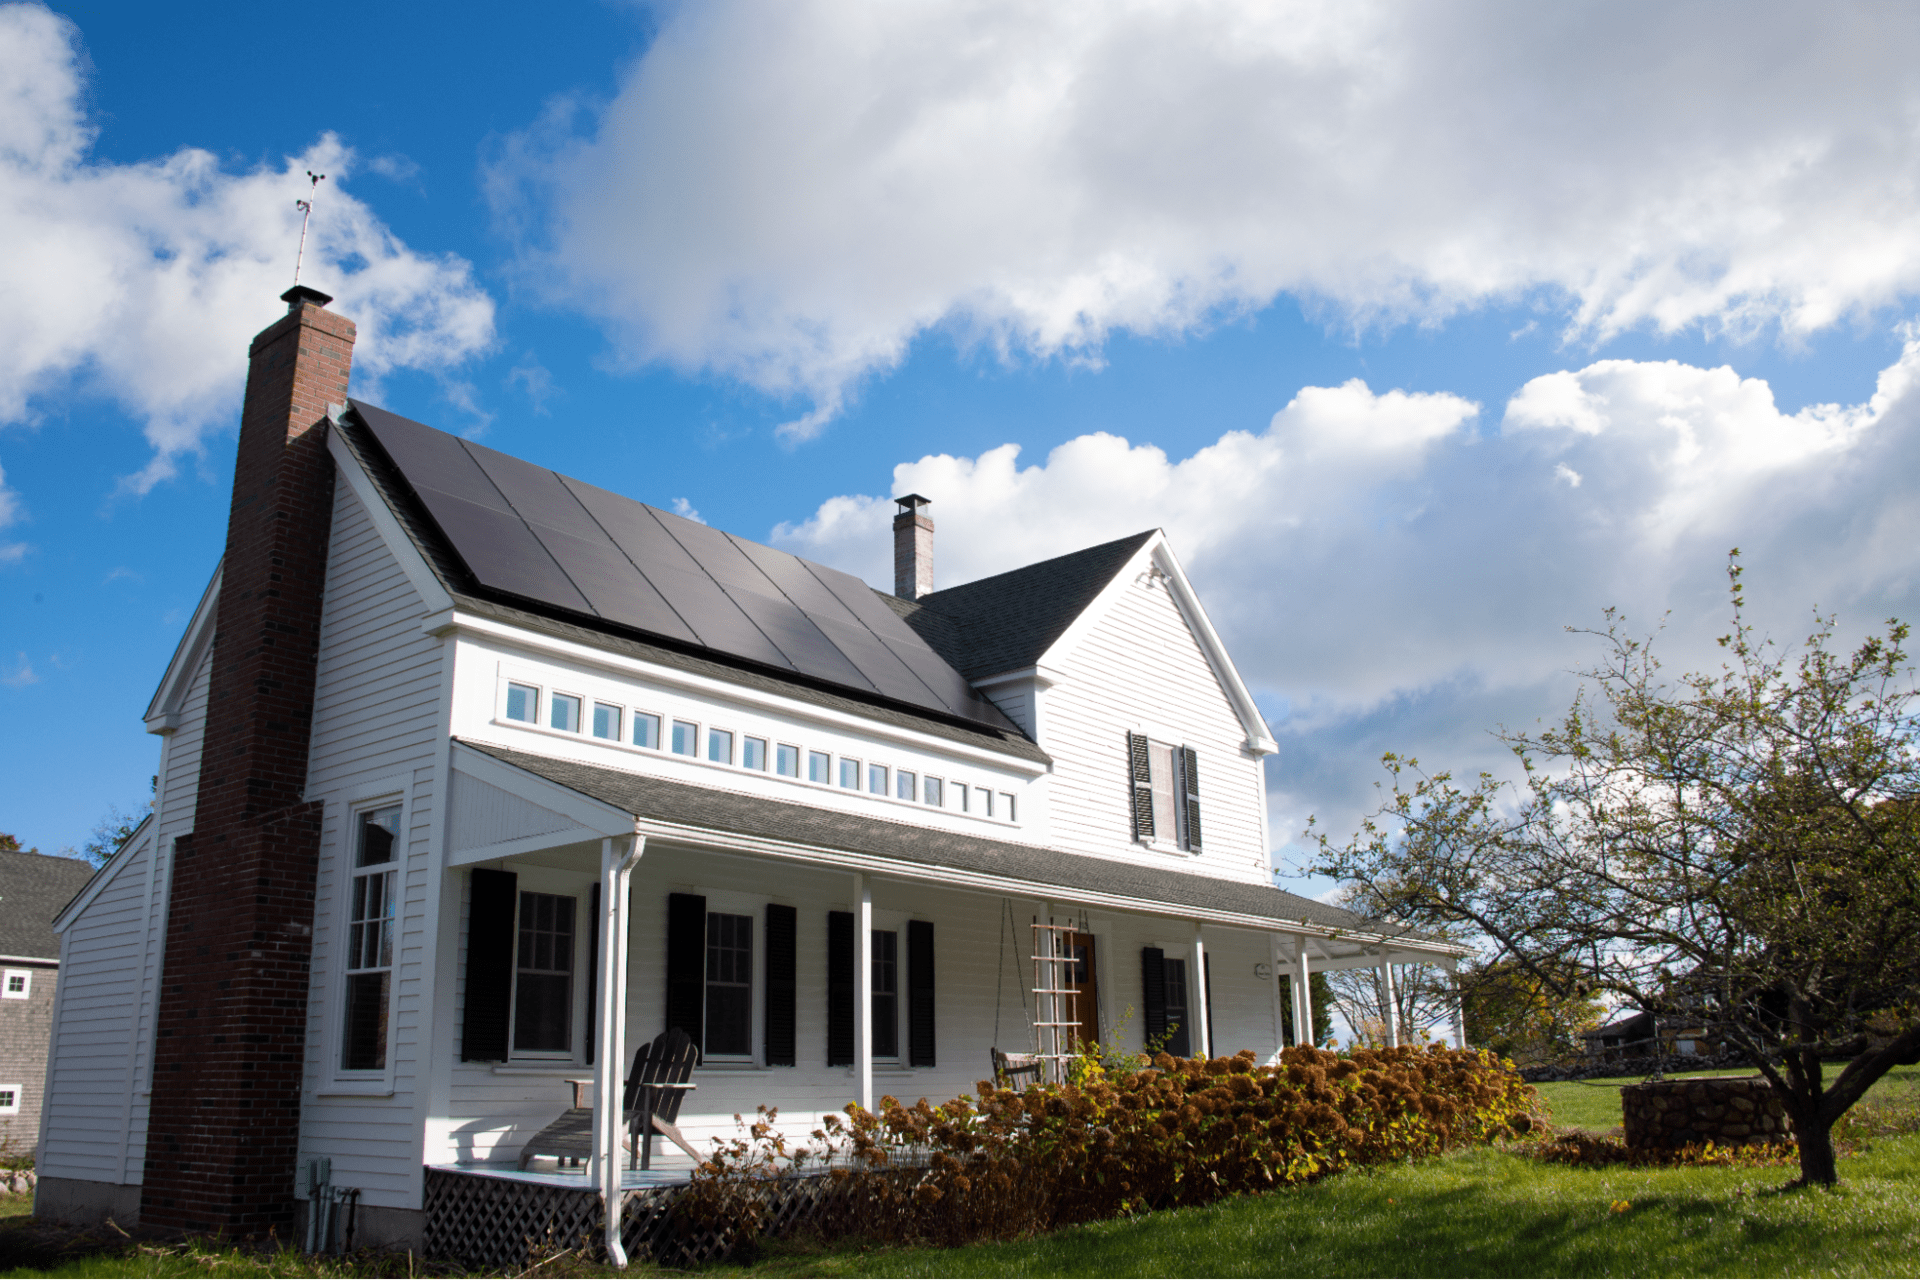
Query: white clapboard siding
pixel 1140 669
pixel 90 1059
pixel 983 977
pixel 377 717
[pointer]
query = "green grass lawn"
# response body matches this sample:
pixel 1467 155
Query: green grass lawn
pixel 1595 1104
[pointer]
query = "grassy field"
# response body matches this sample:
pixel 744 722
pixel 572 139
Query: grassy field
pixel 1595 1104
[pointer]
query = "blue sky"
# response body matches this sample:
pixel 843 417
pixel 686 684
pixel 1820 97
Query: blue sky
pixel 1596 269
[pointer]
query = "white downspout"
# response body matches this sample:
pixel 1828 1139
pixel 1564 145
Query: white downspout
pixel 863 990
pixel 617 858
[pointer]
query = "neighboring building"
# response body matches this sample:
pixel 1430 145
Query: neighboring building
pixel 474 776
pixel 33 889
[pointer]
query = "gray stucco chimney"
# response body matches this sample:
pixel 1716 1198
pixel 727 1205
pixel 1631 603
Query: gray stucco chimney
pixel 912 548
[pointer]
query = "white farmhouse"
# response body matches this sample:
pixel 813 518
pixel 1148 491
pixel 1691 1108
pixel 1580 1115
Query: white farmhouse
pixel 474 777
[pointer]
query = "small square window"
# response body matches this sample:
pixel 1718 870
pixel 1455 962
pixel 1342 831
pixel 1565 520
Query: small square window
pixel 933 793
pixel 877 779
pixel 565 713
pixel 523 703
pixel 786 761
pixel 753 753
pixel 819 767
pixel 905 783
pixel 1007 807
pixel 850 774
pixel 960 790
pixel 646 730
pixel 18 985
pixel 686 738
pixel 720 746
pixel 986 800
pixel 606 722
pixel 9 1099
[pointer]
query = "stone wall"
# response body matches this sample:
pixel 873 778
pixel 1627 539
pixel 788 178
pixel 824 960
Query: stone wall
pixel 1729 1111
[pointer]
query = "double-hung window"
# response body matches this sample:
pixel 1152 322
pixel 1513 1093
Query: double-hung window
pixel 370 923
pixel 543 975
pixel 729 986
pixel 886 994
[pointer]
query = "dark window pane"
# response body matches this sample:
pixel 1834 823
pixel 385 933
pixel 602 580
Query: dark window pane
pixel 365 1047
pixel 543 989
pixel 886 994
pixel 541 1009
pixel 377 832
pixel 729 1027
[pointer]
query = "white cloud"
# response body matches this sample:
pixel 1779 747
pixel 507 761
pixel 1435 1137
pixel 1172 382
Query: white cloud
pixel 21 676
pixel 10 513
pixel 1391 577
pixel 790 194
pixel 144 282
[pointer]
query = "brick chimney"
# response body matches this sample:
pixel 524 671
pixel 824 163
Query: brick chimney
pixel 224 1128
pixel 912 548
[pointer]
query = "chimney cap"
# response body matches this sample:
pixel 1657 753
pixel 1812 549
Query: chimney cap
pixel 913 502
pixel 301 294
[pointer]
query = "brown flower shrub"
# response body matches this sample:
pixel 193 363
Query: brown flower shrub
pixel 1178 1132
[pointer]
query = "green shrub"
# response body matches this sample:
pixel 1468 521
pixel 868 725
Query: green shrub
pixel 1114 1142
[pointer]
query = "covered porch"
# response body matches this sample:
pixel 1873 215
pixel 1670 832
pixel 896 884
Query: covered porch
pixel 971 945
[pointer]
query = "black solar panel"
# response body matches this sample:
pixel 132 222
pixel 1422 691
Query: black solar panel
pixel 530 532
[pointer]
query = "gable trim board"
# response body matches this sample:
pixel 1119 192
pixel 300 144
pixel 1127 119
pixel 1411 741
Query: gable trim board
pixel 163 713
pixel 683 814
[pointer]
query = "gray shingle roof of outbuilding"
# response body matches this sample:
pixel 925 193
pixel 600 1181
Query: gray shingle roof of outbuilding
pixel 34 888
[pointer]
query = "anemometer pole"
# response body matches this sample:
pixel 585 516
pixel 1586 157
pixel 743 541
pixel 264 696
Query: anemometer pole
pixel 306 215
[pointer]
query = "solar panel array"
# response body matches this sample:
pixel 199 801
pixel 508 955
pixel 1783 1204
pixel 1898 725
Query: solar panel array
pixel 526 531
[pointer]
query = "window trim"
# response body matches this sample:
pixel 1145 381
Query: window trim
pixel 17 1091
pixel 575 1052
pixel 370 798
pixel 26 984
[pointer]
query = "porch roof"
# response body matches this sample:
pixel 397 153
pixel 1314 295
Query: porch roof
pixel 930 850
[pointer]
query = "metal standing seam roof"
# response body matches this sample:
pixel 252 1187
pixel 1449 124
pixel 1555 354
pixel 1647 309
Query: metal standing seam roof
pixel 732 812
pixel 1009 621
pixel 34 888
pixel 978 723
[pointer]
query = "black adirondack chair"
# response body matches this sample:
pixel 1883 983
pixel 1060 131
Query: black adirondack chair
pixel 657 1085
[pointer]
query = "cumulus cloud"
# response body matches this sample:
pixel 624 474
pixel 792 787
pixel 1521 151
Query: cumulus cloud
pixel 141 282
pixel 790 194
pixel 1391 571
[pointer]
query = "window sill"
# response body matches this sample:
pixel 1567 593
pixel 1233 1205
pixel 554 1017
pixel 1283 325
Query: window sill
pixel 347 1089
pixel 734 1069
pixel 560 1070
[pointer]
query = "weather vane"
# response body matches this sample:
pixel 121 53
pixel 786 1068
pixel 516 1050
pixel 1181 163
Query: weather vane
pixel 306 215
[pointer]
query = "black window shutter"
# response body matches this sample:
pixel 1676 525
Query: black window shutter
pixel 593 971
pixel 687 964
pixel 782 958
pixel 1153 992
pixel 1140 775
pixel 840 988
pixel 1190 796
pixel 491 899
pixel 1206 994
pixel 920 993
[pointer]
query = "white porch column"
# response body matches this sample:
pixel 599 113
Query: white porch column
pixel 1302 995
pixel 863 991
pixel 1275 961
pixel 1390 1002
pixel 1197 1001
pixel 617 858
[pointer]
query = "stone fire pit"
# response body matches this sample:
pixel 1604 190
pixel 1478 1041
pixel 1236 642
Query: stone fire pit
pixel 1728 1111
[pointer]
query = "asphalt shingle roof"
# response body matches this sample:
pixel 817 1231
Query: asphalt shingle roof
pixel 685 804
pixel 1007 622
pixel 34 888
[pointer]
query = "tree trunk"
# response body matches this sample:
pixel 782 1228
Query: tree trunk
pixel 1816 1149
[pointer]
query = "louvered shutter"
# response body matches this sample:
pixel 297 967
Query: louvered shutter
pixel 687 965
pixel 782 957
pixel 1153 992
pixel 593 971
pixel 1140 784
pixel 492 897
pixel 920 993
pixel 839 988
pixel 1190 796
